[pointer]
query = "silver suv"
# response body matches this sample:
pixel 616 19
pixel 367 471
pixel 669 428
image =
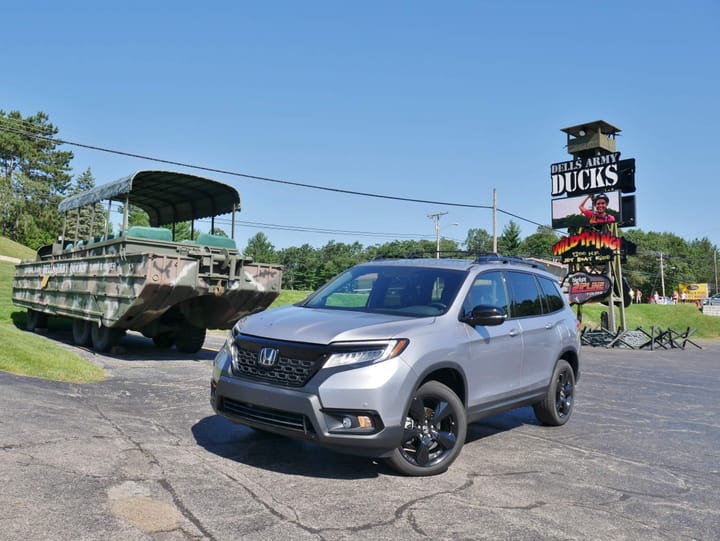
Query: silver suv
pixel 393 358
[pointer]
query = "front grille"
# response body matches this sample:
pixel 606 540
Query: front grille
pixel 257 414
pixel 296 364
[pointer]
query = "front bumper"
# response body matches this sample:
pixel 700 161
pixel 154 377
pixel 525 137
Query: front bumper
pixel 316 411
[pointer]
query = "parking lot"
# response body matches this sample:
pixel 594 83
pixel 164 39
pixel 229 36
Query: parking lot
pixel 142 456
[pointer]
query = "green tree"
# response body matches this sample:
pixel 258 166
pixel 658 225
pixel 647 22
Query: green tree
pixel 136 216
pixel 335 257
pixel 539 244
pixel 682 261
pixel 261 249
pixel 182 231
pixel 509 241
pixel 86 222
pixel 34 177
pixel 300 267
pixel 478 241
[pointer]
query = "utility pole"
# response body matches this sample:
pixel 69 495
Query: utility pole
pixel 436 216
pixel 494 221
pixel 662 276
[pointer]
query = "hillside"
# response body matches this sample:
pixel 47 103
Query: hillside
pixel 10 248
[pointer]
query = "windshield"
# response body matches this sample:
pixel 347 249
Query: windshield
pixel 409 291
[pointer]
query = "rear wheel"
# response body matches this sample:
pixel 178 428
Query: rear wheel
pixel 190 339
pixel 435 428
pixel 81 330
pixel 556 408
pixel 104 338
pixel 35 320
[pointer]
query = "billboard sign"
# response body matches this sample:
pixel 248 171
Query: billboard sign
pixel 694 292
pixel 585 175
pixel 587 248
pixel 586 210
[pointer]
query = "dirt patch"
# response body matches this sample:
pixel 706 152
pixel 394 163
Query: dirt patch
pixel 147 514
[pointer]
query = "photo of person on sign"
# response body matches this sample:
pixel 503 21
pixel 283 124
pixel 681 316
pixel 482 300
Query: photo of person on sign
pixel 598 214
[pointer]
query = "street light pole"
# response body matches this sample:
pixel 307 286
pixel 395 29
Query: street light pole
pixel 436 217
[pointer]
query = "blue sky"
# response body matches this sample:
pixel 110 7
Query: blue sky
pixel 438 101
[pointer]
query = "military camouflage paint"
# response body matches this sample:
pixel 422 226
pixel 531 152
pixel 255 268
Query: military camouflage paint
pixel 128 283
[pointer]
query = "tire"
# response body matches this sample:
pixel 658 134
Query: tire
pixel 81 330
pixel 35 320
pixel 164 340
pixel 557 406
pixel 104 338
pixel 435 429
pixel 190 339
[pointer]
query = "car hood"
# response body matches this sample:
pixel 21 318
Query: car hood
pixel 322 326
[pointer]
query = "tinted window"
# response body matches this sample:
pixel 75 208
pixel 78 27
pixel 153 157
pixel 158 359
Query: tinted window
pixel 525 299
pixel 553 296
pixel 488 288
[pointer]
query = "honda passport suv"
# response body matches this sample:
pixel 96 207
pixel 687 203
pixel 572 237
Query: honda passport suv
pixel 392 358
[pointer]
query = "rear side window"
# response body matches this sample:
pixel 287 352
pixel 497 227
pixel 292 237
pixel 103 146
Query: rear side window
pixel 525 296
pixel 553 296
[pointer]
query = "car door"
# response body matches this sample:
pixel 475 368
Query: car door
pixel 540 335
pixel 494 367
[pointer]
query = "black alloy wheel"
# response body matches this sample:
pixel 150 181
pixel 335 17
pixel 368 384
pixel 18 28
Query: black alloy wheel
pixel 556 408
pixel 435 429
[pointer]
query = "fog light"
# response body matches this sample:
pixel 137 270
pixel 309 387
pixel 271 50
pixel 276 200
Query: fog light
pixel 347 422
pixel 364 421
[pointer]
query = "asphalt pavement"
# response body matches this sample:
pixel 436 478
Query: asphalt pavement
pixel 141 456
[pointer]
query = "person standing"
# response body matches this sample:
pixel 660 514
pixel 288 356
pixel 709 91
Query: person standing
pixel 599 215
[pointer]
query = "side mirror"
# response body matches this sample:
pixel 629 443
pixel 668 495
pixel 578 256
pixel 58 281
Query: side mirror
pixel 485 314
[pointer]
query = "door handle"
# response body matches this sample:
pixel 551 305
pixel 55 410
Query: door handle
pixel 513 332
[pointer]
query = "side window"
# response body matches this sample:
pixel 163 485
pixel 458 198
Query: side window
pixel 525 299
pixel 553 296
pixel 488 288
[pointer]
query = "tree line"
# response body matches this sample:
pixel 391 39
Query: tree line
pixel 35 175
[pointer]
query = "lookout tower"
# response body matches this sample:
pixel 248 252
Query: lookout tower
pixel 591 139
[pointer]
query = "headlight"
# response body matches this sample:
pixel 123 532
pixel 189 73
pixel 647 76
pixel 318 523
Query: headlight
pixel 365 352
pixel 226 352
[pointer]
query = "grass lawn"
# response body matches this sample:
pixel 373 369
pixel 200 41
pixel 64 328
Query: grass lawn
pixel 32 355
pixel 13 249
pixel 28 354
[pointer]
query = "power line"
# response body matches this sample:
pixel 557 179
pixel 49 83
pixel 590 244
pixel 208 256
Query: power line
pixel 244 175
pixel 235 173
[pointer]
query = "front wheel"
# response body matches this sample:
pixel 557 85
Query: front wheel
pixel 435 428
pixel 557 406
pixel 190 339
pixel 164 340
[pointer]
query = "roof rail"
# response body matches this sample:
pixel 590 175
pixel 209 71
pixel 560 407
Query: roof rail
pixel 497 258
pixel 458 254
